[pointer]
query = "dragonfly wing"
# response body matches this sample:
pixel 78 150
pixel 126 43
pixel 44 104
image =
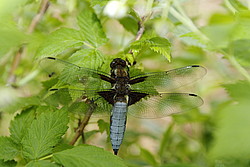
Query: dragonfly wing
pixel 164 104
pixel 83 100
pixel 168 80
pixel 69 72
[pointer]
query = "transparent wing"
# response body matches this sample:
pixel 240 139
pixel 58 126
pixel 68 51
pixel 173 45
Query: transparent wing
pixel 164 104
pixel 82 100
pixel 168 80
pixel 70 73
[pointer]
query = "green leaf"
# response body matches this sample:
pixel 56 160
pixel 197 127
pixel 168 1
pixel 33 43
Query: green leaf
pixel 166 139
pixel 129 23
pixel 58 97
pixel 103 126
pixel 20 125
pixel 220 34
pixel 242 22
pixel 221 19
pixel 62 146
pixel 59 41
pixel 11 37
pixel 238 90
pixel 232 136
pixel 9 7
pixel 88 134
pixel 7 163
pixel 79 107
pixel 179 165
pixel 44 134
pixel 22 102
pixel 149 157
pixel 9 150
pixel 99 2
pixel 88 58
pixel 238 5
pixel 156 44
pixel 160 45
pixel 91 28
pixel 241 51
pixel 191 55
pixel 86 155
pixel 41 163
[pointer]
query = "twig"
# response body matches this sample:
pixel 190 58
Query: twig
pixel 79 131
pixel 43 8
pixel 16 61
pixel 139 32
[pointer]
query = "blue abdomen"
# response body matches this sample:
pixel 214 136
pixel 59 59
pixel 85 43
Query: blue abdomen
pixel 118 125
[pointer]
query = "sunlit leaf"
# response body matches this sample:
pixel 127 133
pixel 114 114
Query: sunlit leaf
pixel 59 41
pixel 9 150
pixel 241 51
pixel 232 136
pixel 41 163
pixel 238 90
pixel 241 30
pixel 20 124
pixel 20 103
pixel 179 165
pixel 231 126
pixel 130 24
pixel 148 157
pixel 11 37
pixel 238 5
pixel 91 28
pixel 44 133
pixel 103 126
pixel 87 156
pixel 156 44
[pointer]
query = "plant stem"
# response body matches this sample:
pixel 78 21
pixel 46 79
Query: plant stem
pixel 230 6
pixel 149 6
pixel 28 78
pixel 88 45
pixel 46 157
pixel 16 61
pixel 84 122
pixel 43 8
pixel 241 70
pixel 139 32
pixel 165 10
pixel 186 21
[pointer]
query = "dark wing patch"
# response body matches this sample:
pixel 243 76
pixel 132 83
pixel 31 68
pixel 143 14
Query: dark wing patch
pixel 134 97
pixel 108 95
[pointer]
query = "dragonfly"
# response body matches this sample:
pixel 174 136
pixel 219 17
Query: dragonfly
pixel 145 95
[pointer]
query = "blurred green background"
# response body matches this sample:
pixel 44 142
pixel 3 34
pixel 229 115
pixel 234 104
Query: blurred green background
pixel 214 34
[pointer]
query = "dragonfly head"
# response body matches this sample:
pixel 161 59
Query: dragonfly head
pixel 118 62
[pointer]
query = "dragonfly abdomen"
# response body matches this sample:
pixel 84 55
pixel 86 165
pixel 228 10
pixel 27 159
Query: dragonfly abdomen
pixel 118 125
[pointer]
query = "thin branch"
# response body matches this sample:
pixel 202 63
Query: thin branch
pixel 79 131
pixel 43 8
pixel 139 32
pixel 16 61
